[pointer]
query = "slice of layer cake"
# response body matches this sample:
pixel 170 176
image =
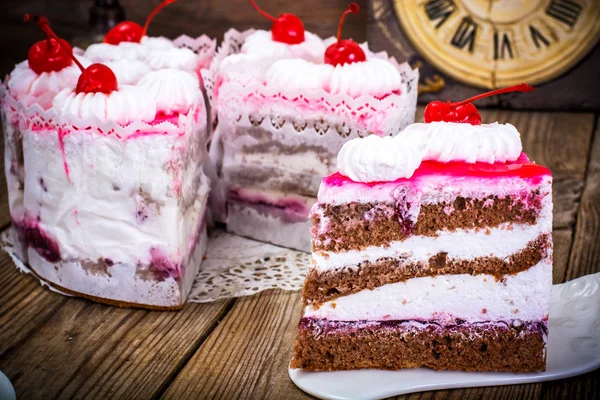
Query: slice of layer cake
pixel 431 249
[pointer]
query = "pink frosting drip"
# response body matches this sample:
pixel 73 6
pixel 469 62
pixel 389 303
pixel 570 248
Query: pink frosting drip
pixel 520 168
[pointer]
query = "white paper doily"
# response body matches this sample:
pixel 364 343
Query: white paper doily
pixel 233 266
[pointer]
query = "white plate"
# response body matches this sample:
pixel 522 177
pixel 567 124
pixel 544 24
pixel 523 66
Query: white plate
pixel 573 349
pixel 7 392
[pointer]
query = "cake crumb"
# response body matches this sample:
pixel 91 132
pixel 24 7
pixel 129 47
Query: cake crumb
pixel 386 316
pixel 404 301
pixel 333 305
pixel 484 310
pixel 516 311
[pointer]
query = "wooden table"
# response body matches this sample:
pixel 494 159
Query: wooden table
pixel 53 346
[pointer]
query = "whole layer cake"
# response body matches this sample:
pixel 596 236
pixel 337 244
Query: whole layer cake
pixel 431 249
pixel 283 111
pixel 105 175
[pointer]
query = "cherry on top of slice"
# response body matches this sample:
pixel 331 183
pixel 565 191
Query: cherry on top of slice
pixel 345 51
pixel 129 31
pixel 465 111
pixel 287 28
pixel 49 55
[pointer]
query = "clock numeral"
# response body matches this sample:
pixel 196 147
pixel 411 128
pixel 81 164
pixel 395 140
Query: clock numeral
pixel 439 9
pixel 502 46
pixel 465 34
pixel 537 37
pixel 566 11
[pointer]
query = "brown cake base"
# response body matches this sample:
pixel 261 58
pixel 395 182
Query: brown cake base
pixel 329 345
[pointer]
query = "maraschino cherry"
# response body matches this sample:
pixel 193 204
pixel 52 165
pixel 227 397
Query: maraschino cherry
pixel 345 51
pixel 97 78
pixel 465 111
pixel 129 31
pixel 48 55
pixel 287 28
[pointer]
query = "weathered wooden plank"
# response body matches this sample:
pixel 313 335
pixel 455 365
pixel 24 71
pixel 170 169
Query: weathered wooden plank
pixel 54 346
pixel 24 306
pixel 585 255
pixel 583 387
pixel 563 239
pixel 247 356
pixel 139 363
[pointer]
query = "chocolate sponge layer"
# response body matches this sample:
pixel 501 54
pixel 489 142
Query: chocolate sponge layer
pixel 332 345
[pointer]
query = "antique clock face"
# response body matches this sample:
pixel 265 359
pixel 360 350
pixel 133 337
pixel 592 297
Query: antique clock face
pixel 496 43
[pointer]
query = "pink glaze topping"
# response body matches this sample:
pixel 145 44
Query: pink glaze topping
pixel 520 168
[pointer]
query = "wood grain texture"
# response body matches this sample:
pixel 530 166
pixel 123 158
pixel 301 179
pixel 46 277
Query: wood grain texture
pixel 585 255
pixel 53 346
pixel 24 306
pixel 192 17
pixel 247 356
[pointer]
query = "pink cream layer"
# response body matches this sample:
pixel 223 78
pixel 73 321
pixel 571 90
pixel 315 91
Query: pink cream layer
pixel 502 178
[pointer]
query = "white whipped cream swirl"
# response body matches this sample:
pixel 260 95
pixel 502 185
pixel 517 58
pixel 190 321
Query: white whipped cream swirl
pixel 177 58
pixel 374 76
pixel 376 159
pixel 261 43
pixel 103 52
pixel 125 105
pixel 157 43
pixel 448 141
pixel 174 91
pixel 128 72
pixel 29 87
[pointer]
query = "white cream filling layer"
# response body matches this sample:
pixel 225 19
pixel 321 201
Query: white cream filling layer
pixel 524 296
pixel 501 242
pixel 307 162
pixel 106 197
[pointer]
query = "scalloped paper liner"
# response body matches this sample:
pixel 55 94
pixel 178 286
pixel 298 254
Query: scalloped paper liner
pixel 332 104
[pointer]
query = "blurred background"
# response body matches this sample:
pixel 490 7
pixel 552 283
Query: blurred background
pixel 461 47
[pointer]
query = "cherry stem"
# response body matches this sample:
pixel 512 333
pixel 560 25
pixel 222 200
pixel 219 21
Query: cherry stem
pixel 44 25
pixel 263 13
pixel 153 13
pixel 352 8
pixel 523 87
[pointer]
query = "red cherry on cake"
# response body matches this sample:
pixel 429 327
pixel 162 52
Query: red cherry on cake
pixel 97 78
pixel 129 31
pixel 287 28
pixel 465 111
pixel 49 55
pixel 345 51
